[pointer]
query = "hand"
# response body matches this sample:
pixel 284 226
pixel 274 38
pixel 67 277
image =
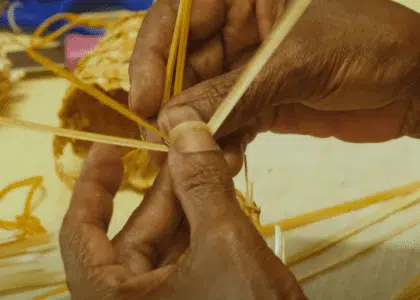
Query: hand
pixel 349 69
pixel 211 252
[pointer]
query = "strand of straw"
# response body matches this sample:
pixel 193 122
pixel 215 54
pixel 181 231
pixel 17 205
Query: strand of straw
pixel 372 244
pixel 85 136
pixel 88 89
pixel 359 225
pixel 183 43
pixel 170 66
pixel 57 291
pixel 339 209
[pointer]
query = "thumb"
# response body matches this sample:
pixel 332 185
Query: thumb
pixel 200 177
pixel 202 100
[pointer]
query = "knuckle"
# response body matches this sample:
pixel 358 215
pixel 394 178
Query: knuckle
pixel 211 95
pixel 216 91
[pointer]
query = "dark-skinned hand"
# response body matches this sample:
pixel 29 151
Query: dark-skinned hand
pixel 188 239
pixel 349 69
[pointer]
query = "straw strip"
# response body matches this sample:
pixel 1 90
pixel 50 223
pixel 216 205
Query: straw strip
pixel 170 66
pixel 355 253
pixel 57 291
pixel 85 136
pixel 336 210
pixel 359 225
pixel 183 43
pixel 90 90
pixel 28 245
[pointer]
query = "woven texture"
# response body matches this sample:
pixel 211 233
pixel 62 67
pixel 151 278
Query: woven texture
pixel 106 67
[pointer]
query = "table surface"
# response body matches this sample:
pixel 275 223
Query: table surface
pixel 292 175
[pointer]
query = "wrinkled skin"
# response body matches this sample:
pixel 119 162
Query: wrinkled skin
pixel 198 247
pixel 349 69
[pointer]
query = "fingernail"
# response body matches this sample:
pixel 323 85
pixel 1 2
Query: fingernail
pixel 171 117
pixel 192 137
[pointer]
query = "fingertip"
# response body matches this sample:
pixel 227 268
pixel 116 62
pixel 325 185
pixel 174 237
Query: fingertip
pixel 172 116
pixel 234 148
pixel 192 137
pixel 234 159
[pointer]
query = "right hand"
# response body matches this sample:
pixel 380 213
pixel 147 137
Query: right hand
pixel 348 69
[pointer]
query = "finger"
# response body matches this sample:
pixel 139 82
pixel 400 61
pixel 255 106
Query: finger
pixel 359 126
pixel 206 58
pixel 201 101
pixel 234 147
pixel 267 13
pixel 233 154
pixel 200 177
pixel 233 150
pixel 157 158
pixel 84 228
pixel 148 62
pixel 176 249
pixel 240 31
pixel 142 243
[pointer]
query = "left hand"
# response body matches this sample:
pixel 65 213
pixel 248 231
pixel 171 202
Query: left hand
pixel 216 254
pixel 154 236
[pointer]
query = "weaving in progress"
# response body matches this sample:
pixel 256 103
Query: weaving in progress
pixel 95 109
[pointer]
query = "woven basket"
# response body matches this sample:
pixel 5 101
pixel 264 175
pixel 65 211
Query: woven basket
pixel 106 67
